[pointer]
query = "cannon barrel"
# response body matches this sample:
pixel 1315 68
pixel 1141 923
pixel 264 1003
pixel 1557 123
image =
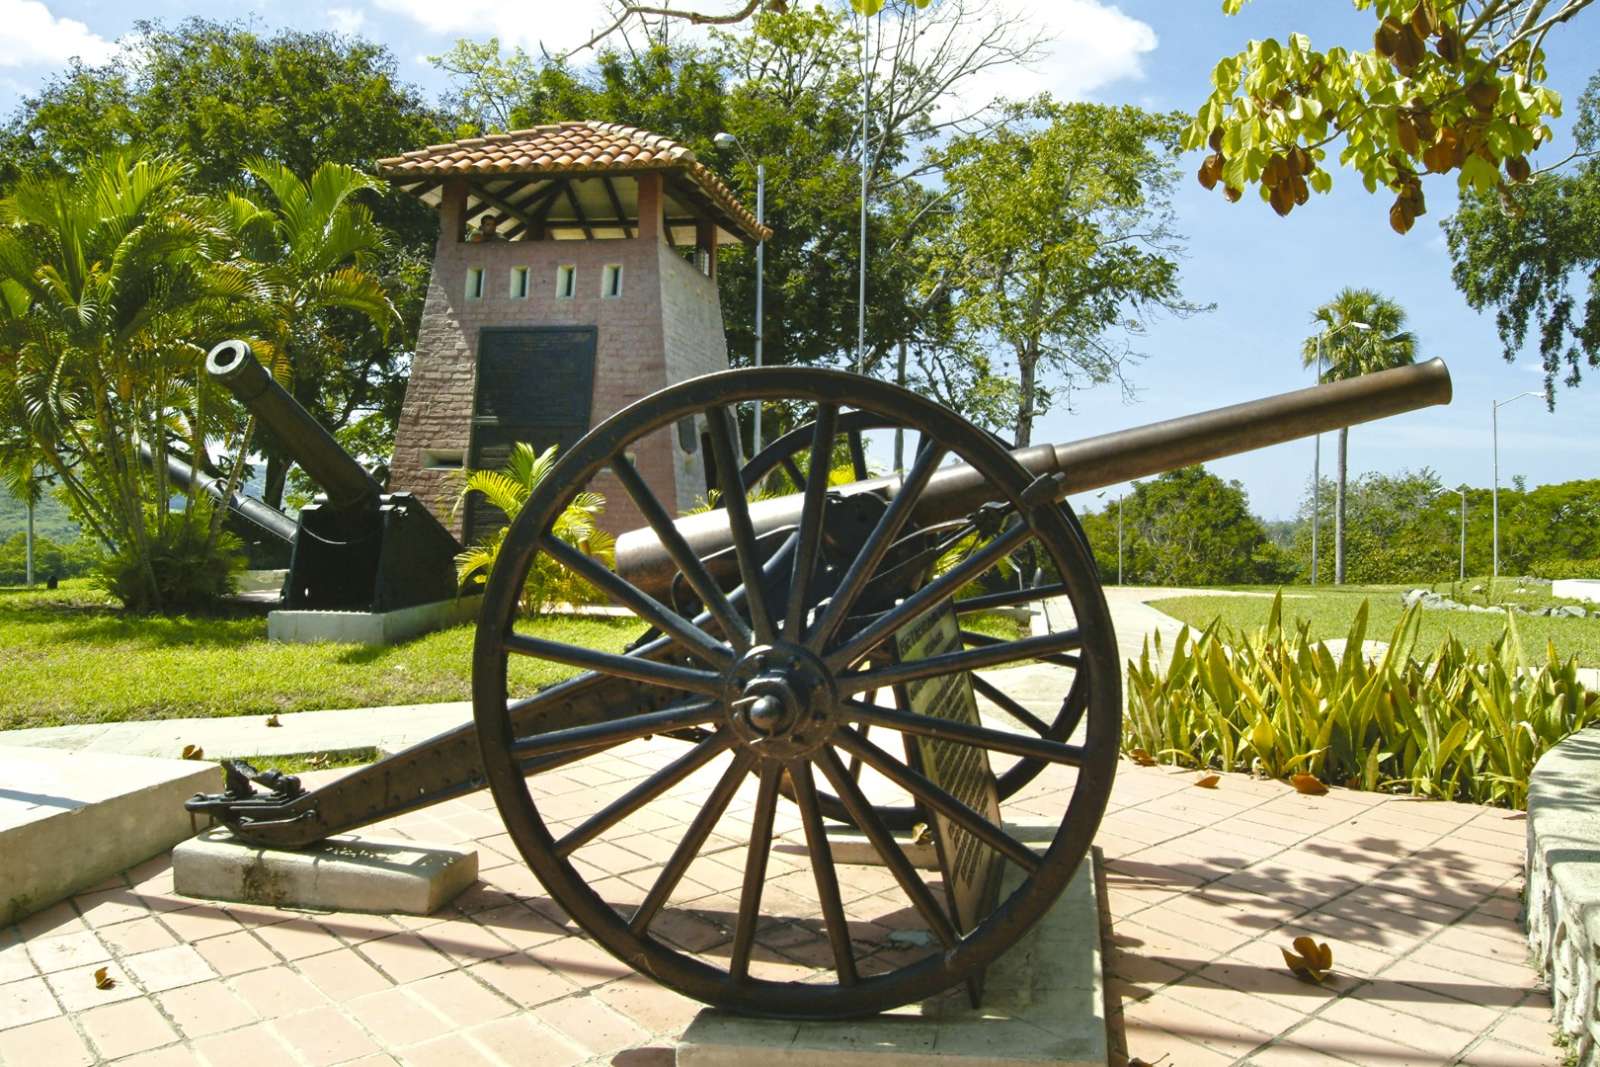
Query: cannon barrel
pixel 1091 463
pixel 346 483
pixel 262 516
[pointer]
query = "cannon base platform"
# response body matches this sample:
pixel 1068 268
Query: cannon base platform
pixel 293 626
pixel 1044 1002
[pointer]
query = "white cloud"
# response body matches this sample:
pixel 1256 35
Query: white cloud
pixel 1087 45
pixel 31 36
pixel 557 27
pixel 346 19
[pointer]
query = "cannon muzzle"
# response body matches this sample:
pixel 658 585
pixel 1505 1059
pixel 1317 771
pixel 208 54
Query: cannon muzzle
pixel 346 483
pixel 1088 464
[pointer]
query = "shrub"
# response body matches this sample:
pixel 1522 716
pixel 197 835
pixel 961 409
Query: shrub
pixel 1557 569
pixel 50 557
pixel 1464 724
pixel 189 574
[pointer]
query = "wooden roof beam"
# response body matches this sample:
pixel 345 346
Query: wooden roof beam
pixel 506 207
pixel 616 205
pixel 577 210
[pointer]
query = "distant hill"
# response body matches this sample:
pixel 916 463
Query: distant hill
pixel 50 519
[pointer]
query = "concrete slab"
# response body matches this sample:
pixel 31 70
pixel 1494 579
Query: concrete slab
pixel 370 627
pixel 347 873
pixel 69 820
pixel 1044 1002
pixel 850 846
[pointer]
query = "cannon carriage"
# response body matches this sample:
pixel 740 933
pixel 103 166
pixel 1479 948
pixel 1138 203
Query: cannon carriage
pixel 813 659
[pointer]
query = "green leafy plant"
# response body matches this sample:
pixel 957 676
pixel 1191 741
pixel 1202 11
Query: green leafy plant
pixel 508 489
pixel 1557 569
pixel 191 571
pixel 1462 724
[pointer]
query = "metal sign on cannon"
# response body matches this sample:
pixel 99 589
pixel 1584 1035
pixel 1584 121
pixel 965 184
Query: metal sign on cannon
pixel 576 272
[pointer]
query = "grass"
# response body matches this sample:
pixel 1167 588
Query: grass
pixel 1330 612
pixel 69 656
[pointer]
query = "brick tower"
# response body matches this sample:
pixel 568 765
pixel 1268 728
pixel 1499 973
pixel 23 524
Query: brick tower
pixel 575 273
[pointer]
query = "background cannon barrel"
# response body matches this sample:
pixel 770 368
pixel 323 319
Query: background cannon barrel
pixel 260 516
pixel 346 483
pixel 1091 463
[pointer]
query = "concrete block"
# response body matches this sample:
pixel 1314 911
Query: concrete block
pixel 348 873
pixel 850 846
pixel 1044 1003
pixel 370 627
pixel 69 820
pixel 1577 589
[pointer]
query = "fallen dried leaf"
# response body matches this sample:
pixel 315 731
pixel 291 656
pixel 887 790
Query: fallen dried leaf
pixel 193 752
pixel 272 720
pixel 1209 781
pixel 1309 959
pixel 1142 758
pixel 1309 784
pixel 103 979
pixel 1137 1062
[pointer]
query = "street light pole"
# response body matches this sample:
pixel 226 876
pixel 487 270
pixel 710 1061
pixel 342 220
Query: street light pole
pixel 1119 538
pixel 1462 490
pixel 1316 472
pixel 1494 429
pixel 728 140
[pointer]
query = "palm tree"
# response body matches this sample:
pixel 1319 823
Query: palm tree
pixel 307 253
pixel 1359 331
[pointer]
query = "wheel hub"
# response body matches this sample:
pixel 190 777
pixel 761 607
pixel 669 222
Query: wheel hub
pixel 781 701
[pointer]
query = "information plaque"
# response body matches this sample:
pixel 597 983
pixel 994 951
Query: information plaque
pixel 971 868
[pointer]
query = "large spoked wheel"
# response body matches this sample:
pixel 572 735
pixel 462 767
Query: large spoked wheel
pixel 693 868
pixel 1015 582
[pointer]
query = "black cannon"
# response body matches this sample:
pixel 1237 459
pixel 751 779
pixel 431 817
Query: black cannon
pixel 356 547
pixel 789 639
pixel 247 516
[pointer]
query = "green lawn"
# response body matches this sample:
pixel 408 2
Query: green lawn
pixel 1330 613
pixel 70 657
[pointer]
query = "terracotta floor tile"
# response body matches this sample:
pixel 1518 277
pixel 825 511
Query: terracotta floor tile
pixel 524 980
pixel 324 1036
pixel 123 1029
pixel 512 1039
pixel 1160 1026
pixel 355 928
pixel 396 1019
pixel 1436 1036
pixel 198 923
pixel 1433 1004
pixel 25 1002
pixel 460 998
pixel 140 935
pixel 656 1009
pixel 1335 1039
pixel 452 1050
pixel 1535 1031
pixel 61 951
pixel 405 957
pixel 589 1023
pixel 51 1043
pixel 235 953
pixel 78 988
pixel 1285 1054
pixel 57 919
pixel 1226 1002
pixel 465 941
pixel 276 991
pixel 207 1008
pixel 168 968
pixel 109 907
pixel 580 961
pixel 343 975
pixel 15 963
pixel 171 1056
pixel 222 1050
pixel 1492 1053
pixel 1276 984
pixel 298 938
pixel 518 925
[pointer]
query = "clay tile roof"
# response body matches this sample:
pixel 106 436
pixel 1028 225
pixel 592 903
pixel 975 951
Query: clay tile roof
pixel 576 147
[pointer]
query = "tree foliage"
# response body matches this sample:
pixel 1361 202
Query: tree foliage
pixel 1533 256
pixel 1185 527
pixel 1057 243
pixel 1448 86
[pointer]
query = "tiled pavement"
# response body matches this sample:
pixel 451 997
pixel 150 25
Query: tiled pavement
pixel 1418 900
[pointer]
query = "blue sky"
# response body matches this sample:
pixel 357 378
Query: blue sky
pixel 1265 274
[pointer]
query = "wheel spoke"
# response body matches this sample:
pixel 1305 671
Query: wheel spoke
pixel 976 638
pixel 693 838
pixel 635 667
pixel 796 475
pixel 858 456
pixel 872 549
pixel 919 786
pixel 693 639
pixel 694 572
pixel 1010 706
pixel 934 593
pixel 738 508
pixel 643 793
pixel 1009 598
pixel 866 818
pixel 969 659
pixel 755 871
pixel 822 866
pixel 805 556
pixel 967 734
pixel 697 713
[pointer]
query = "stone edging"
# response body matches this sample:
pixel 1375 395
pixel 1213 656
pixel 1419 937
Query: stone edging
pixel 1562 903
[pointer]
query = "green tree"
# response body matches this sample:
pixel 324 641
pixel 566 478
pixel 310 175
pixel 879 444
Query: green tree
pixel 1186 527
pixel 1445 87
pixel 1359 331
pixel 1059 242
pixel 1527 252
pixel 102 273
pixel 1401 527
